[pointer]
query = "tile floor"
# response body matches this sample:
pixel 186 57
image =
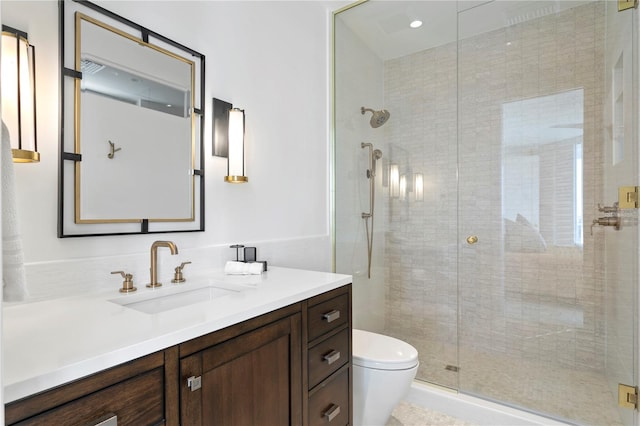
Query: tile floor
pixel 538 385
pixel 406 414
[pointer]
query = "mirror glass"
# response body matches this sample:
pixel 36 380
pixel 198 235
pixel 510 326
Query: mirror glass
pixel 136 147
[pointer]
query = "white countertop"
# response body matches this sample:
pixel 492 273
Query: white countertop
pixel 49 343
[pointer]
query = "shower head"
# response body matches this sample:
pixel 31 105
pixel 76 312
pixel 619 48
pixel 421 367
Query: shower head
pixel 378 118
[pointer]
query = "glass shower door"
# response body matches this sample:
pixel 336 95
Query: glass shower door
pixel 542 296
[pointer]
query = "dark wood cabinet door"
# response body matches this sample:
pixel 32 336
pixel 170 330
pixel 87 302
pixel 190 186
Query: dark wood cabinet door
pixel 253 379
pixel 133 392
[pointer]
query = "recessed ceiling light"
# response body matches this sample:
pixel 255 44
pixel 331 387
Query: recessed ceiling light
pixel 416 24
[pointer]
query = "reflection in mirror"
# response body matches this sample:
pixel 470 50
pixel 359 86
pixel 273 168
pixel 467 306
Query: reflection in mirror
pixel 131 86
pixel 124 86
pixel 136 149
pixel 542 171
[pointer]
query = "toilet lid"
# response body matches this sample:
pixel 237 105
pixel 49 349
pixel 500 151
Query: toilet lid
pixel 382 352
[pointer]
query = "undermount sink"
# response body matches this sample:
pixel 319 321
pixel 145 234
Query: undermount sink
pixel 156 301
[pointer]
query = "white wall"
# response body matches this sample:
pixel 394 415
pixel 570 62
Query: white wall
pixel 1 272
pixel 270 58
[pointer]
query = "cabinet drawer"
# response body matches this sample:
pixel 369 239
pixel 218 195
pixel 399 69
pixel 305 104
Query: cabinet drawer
pixel 137 401
pixel 327 356
pixel 328 315
pixel 329 404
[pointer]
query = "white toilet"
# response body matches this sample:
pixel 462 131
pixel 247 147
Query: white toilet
pixel 383 368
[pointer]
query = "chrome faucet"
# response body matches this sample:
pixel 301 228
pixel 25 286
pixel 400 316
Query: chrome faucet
pixel 154 260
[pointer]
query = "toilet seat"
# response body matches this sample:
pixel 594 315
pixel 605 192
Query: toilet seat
pixel 371 350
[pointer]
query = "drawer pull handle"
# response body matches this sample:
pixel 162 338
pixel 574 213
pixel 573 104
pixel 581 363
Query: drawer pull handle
pixel 108 420
pixel 331 357
pixel 332 412
pixel 331 316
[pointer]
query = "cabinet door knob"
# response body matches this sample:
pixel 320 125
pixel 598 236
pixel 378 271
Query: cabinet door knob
pixel 194 383
pixel 332 357
pixel 332 412
pixel 331 316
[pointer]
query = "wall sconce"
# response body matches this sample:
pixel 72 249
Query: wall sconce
pixel 403 187
pixel 418 186
pixel 19 94
pixel 394 180
pixel 235 161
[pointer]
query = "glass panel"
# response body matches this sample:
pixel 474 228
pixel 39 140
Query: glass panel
pixel 510 123
pixel 620 164
pixel 382 63
pixel 533 289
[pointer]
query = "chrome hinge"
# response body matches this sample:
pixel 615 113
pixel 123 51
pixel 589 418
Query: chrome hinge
pixel 194 383
pixel 626 4
pixel 627 396
pixel 628 197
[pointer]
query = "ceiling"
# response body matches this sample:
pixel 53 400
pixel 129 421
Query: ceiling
pixel 383 25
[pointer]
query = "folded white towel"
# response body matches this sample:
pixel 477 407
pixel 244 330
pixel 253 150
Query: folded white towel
pixel 13 275
pixel 242 268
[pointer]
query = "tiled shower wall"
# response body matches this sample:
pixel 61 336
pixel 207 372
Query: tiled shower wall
pixel 421 253
pixel 544 305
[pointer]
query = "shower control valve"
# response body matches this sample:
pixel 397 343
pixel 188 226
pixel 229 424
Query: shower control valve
pixel 614 217
pixel 609 209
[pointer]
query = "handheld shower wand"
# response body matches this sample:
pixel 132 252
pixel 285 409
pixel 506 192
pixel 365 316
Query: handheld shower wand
pixel 374 156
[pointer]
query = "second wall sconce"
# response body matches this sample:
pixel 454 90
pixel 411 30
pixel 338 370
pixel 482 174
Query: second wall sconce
pixel 418 186
pixel 19 94
pixel 394 180
pixel 228 139
pixel 235 161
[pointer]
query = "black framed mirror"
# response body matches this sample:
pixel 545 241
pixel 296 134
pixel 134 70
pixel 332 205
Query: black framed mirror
pixel 131 127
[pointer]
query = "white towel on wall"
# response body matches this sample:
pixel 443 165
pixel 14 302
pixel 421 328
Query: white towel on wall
pixel 13 275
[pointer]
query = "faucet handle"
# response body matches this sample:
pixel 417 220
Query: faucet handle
pixel 178 277
pixel 127 284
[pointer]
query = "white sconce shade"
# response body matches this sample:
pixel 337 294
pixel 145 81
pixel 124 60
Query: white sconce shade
pixel 235 161
pixel 403 187
pixel 18 94
pixel 418 186
pixel 394 180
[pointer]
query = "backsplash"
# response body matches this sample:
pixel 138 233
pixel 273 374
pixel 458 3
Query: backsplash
pixel 51 280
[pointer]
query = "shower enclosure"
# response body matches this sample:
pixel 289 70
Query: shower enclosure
pixel 506 237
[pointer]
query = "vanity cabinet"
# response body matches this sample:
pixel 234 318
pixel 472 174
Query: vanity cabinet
pixel 254 378
pixel 289 366
pixel 133 393
pixel 328 351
